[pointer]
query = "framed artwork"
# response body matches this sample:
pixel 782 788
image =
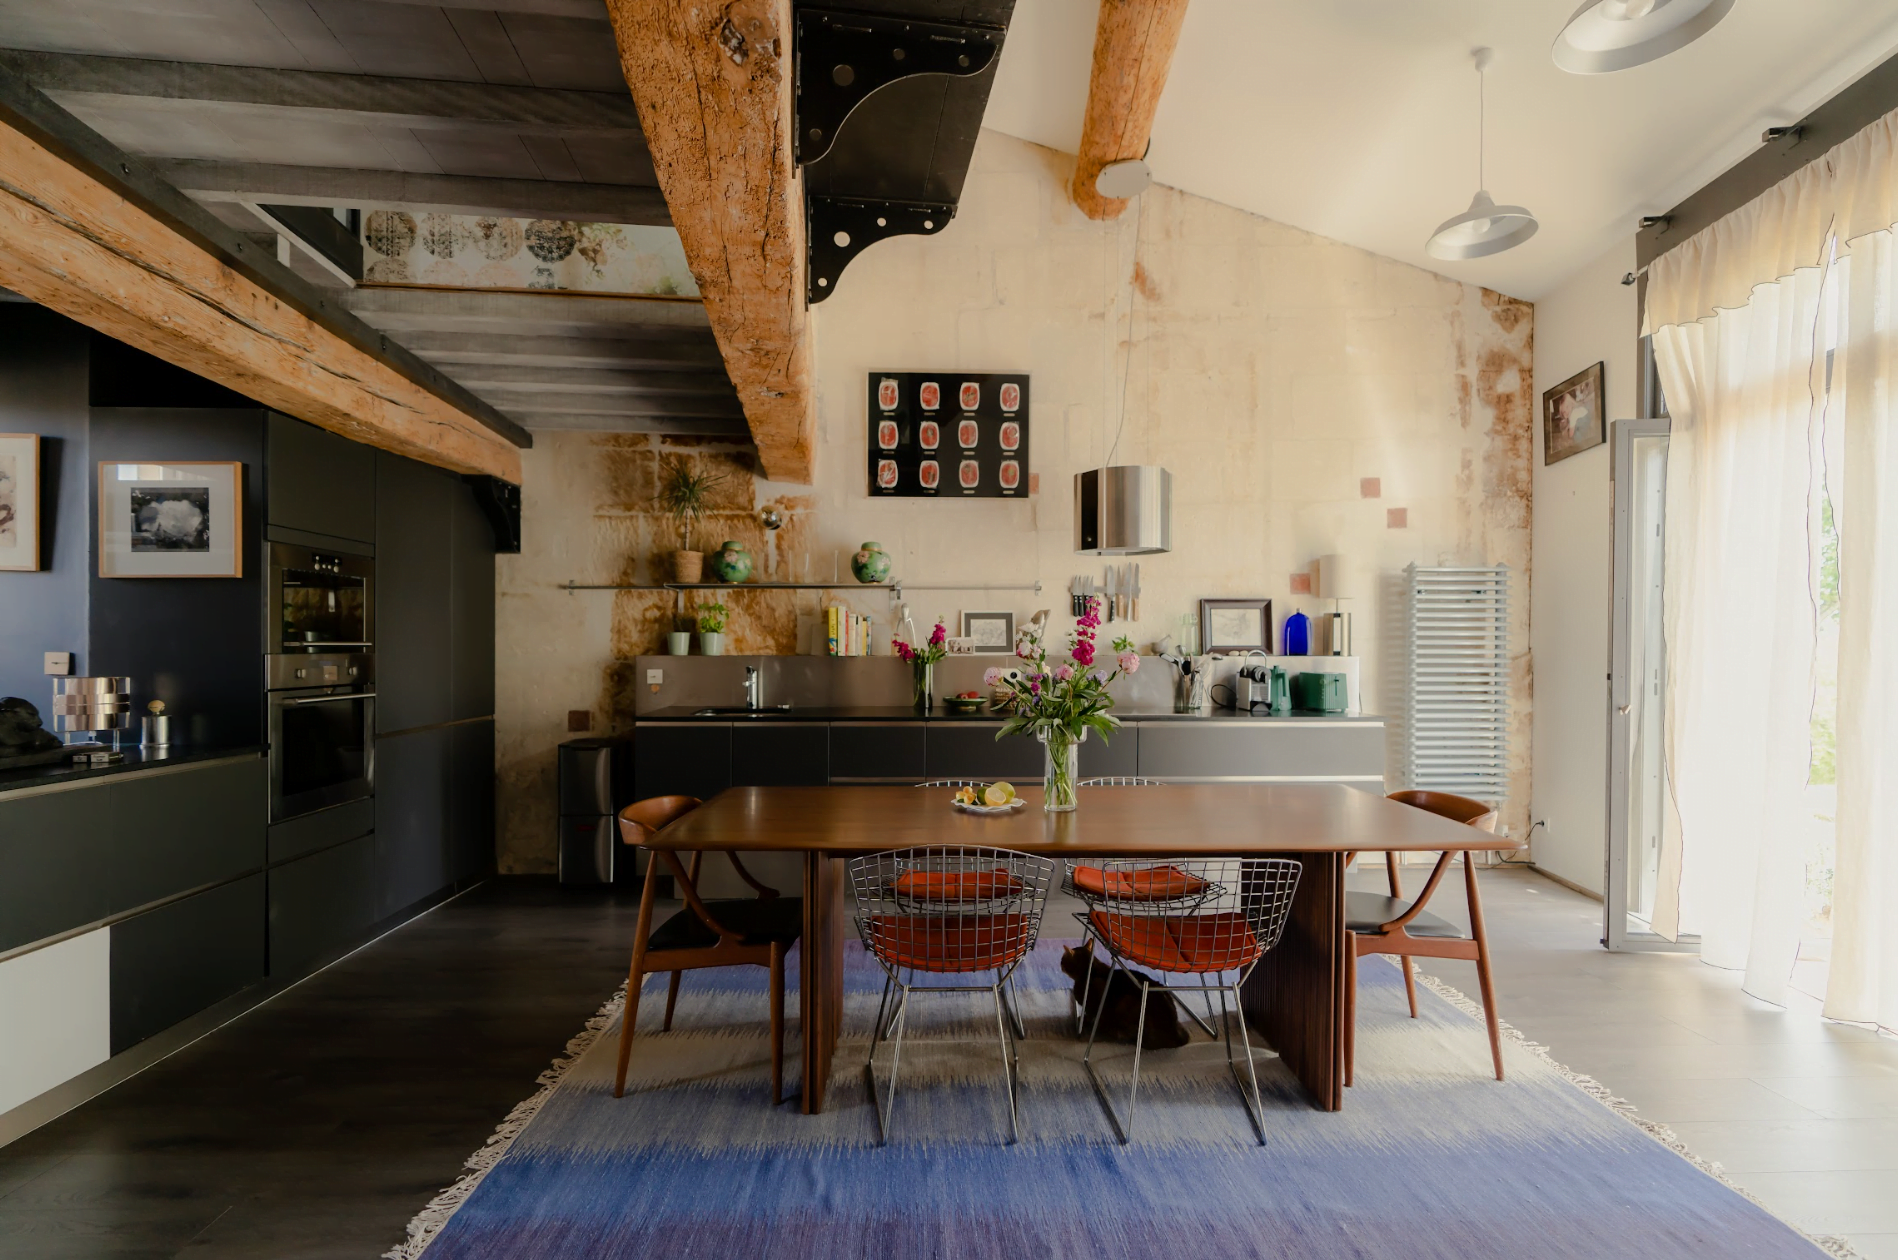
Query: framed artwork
pixel 1572 420
pixel 989 633
pixel 19 501
pixel 1235 625
pixel 182 519
pixel 949 435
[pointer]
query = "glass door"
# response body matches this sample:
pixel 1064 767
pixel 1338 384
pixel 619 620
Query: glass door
pixel 1637 766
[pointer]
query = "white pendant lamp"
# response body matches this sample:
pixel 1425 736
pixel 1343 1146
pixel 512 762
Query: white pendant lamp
pixel 1485 228
pixel 1609 35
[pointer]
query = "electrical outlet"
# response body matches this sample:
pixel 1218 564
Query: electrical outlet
pixel 59 664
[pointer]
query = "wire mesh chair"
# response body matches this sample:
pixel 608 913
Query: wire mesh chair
pixel 946 910
pixel 955 783
pixel 1009 998
pixel 1119 780
pixel 1240 913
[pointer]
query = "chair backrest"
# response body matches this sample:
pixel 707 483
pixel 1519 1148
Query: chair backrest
pixel 1119 780
pixel 947 908
pixel 638 821
pixel 1448 805
pixel 1213 915
pixel 935 783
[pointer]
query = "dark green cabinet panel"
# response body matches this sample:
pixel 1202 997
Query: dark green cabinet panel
pixel 471 801
pixel 971 751
pixel 53 863
pixel 1118 755
pixel 878 752
pixel 471 611
pixel 309 832
pixel 414 590
pixel 173 830
pixel 320 906
pixel 318 481
pixel 781 754
pixel 683 758
pixel 177 960
pixel 412 794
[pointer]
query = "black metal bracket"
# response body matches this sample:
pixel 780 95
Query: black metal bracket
pixel 840 228
pixel 844 57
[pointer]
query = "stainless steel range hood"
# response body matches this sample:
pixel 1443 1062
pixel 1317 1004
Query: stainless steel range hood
pixel 1124 510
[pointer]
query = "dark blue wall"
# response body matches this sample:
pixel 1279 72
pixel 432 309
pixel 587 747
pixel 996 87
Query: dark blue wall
pixel 43 390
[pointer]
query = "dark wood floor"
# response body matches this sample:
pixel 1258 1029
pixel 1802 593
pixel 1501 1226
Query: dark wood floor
pixel 318 1124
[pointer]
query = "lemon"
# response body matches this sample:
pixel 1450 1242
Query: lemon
pixel 999 794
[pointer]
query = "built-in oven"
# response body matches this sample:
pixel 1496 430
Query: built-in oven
pixel 322 735
pixel 321 602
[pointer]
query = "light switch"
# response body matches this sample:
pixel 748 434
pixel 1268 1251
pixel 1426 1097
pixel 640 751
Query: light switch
pixel 653 676
pixel 59 664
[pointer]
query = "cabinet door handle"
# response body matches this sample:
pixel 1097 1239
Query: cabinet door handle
pixel 354 695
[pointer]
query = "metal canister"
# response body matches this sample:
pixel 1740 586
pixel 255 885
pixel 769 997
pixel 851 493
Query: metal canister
pixel 155 730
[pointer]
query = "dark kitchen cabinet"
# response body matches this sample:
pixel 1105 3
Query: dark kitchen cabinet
pixel 320 906
pixel 415 537
pixel 173 962
pixel 52 855
pixel 412 793
pixel 1117 755
pixel 780 754
pixel 1341 751
pixel 470 842
pixel 969 750
pixel 319 482
pixel 683 758
pixel 470 610
pixel 172 831
pixel 878 752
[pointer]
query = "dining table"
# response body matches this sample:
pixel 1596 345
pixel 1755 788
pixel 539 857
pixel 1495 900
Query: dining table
pixel 1295 996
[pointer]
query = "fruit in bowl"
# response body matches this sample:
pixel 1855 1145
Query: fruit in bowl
pixel 994 795
pixel 965 701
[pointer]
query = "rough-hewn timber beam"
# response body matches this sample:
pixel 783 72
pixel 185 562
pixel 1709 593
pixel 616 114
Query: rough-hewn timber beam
pixel 362 97
pixel 417 193
pixel 74 236
pixel 713 85
pixel 1133 47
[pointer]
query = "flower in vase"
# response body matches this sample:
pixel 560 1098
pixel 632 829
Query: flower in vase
pixel 1063 673
pixel 991 676
pixel 1083 653
pixel 1129 662
pixel 937 635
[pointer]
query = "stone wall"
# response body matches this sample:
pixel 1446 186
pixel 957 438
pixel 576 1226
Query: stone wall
pixel 1309 397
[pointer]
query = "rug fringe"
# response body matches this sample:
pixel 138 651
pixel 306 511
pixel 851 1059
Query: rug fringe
pixel 430 1220
pixel 1831 1244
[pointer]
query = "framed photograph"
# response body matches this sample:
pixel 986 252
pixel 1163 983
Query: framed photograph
pixel 1572 419
pixel 1235 625
pixel 171 520
pixel 989 632
pixel 19 501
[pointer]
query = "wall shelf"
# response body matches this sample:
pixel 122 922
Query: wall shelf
pixel 896 589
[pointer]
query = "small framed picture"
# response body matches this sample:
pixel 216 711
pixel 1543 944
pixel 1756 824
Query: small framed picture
pixel 1235 625
pixel 1572 419
pixel 989 632
pixel 182 519
pixel 19 501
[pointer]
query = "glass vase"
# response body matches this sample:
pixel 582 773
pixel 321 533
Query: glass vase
pixel 925 676
pixel 1061 757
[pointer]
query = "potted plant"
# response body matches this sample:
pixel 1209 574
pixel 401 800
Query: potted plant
pixel 922 662
pixel 712 629
pixel 685 493
pixel 1059 704
pixel 678 639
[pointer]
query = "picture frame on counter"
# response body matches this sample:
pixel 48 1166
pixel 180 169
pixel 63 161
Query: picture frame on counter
pixel 183 519
pixel 989 633
pixel 1235 625
pixel 20 501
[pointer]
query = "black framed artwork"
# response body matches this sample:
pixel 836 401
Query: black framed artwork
pixel 1572 416
pixel 948 435
pixel 1235 625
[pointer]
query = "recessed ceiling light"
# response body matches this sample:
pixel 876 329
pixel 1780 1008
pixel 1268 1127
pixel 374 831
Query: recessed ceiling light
pixel 1608 35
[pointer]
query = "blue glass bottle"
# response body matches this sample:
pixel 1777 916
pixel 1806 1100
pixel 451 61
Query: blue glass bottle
pixel 1297 635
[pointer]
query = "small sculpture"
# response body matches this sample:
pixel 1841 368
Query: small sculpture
pixel 21 734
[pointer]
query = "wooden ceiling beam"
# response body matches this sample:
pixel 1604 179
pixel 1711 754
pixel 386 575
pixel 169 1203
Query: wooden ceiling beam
pixel 1133 49
pixel 76 236
pixel 713 87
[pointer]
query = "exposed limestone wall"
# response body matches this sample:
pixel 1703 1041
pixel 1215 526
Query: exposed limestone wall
pixel 1308 396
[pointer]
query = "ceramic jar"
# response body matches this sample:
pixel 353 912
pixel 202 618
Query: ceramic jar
pixel 871 564
pixel 731 562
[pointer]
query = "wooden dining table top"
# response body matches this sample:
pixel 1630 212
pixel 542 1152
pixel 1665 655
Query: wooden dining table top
pixel 1197 819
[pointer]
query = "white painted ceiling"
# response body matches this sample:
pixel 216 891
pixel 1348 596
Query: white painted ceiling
pixel 1356 119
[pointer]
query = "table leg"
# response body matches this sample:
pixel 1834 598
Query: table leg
pixel 820 984
pixel 1295 996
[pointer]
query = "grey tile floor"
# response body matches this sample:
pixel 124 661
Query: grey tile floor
pixel 1800 1111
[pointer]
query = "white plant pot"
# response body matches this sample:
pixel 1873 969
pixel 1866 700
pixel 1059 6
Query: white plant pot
pixel 679 643
pixel 711 644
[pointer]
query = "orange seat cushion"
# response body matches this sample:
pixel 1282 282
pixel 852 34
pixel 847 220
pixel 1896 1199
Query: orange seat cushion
pixel 1156 883
pixel 956 885
pixel 964 943
pixel 1197 943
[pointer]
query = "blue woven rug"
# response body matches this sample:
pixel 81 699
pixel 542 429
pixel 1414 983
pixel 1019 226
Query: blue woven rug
pixel 1430 1158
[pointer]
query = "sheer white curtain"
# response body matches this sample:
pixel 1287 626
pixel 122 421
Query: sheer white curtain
pixel 1736 316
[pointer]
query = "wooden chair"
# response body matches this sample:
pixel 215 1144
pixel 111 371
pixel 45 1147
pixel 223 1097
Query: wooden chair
pixel 1377 924
pixel 720 933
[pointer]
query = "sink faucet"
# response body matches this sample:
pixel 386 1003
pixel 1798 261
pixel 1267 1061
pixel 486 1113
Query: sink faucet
pixel 754 688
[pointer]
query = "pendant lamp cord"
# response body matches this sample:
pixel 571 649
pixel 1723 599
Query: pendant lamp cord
pixel 1482 122
pixel 1133 296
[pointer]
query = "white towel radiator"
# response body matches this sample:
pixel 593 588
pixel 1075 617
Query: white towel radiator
pixel 1456 682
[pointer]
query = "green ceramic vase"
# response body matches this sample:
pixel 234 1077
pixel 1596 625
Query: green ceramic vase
pixel 731 562
pixel 871 564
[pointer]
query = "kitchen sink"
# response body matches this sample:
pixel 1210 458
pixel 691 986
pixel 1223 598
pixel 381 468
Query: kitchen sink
pixel 733 709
